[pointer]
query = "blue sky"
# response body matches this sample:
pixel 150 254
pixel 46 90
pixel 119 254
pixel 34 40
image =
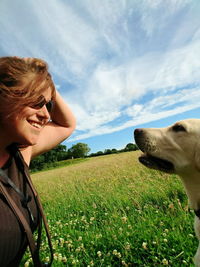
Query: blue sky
pixel 119 64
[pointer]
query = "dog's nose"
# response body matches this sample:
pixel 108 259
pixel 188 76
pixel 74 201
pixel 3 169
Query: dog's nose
pixel 138 132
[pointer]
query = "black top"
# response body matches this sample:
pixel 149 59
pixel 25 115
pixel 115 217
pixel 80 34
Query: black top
pixel 13 242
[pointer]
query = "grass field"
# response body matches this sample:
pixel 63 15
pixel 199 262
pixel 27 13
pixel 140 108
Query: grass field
pixel 112 211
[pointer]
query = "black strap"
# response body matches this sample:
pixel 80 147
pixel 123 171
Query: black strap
pixel 19 160
pixel 34 248
pixel 25 225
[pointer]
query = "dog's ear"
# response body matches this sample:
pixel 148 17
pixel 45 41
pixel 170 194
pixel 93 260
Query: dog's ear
pixel 197 158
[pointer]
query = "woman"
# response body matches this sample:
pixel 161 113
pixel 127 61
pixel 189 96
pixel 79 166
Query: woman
pixel 33 119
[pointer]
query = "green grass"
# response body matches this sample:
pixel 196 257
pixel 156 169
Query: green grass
pixel 112 211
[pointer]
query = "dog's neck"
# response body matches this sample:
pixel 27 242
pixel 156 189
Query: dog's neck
pixel 192 186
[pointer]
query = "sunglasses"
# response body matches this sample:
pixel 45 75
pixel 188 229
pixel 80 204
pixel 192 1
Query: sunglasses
pixel 41 102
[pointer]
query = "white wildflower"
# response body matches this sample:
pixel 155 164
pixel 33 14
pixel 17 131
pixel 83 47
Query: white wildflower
pixel 115 252
pixel 99 253
pixel 124 219
pixel 144 245
pixel 165 262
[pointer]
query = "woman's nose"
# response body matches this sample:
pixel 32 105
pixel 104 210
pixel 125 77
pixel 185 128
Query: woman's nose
pixel 43 112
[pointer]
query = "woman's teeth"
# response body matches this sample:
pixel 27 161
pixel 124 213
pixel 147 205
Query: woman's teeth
pixel 36 125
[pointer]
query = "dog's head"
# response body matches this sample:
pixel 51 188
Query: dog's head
pixel 174 149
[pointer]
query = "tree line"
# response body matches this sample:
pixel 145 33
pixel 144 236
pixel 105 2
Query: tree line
pixel 79 150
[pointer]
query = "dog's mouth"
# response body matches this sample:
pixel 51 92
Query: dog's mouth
pixel 156 163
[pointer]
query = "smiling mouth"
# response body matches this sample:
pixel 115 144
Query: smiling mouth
pixel 36 125
pixel 156 163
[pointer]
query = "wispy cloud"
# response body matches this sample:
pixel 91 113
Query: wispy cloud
pixel 117 63
pixel 157 80
pixel 156 109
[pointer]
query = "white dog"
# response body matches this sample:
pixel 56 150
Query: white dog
pixel 176 149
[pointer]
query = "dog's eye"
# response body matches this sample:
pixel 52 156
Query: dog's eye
pixel 178 128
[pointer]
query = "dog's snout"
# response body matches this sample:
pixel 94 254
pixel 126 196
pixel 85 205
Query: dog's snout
pixel 138 132
pixel 139 138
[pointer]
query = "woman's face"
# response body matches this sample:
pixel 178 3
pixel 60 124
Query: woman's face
pixel 24 128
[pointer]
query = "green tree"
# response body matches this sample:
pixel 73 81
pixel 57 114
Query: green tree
pixel 80 150
pixel 37 163
pixel 130 147
pixel 99 153
pixel 61 152
pixel 56 154
pixel 107 151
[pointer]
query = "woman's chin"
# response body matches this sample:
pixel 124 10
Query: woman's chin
pixel 28 142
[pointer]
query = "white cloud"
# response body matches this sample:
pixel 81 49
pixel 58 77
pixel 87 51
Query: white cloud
pixel 158 14
pixel 112 89
pixel 148 113
pixel 117 55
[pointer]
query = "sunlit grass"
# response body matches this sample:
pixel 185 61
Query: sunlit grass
pixel 112 211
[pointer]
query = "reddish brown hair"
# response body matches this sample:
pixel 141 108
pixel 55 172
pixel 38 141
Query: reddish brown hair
pixel 22 82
